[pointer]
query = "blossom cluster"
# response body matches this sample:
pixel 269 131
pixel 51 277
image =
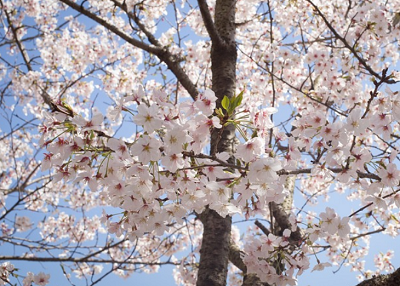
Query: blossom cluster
pixel 7 269
pixel 338 134
pixel 162 175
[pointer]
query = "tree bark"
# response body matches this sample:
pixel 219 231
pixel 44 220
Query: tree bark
pixel 392 279
pixel 214 253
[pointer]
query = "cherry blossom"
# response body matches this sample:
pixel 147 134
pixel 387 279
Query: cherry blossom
pixel 355 123
pixel 206 102
pixel 119 147
pixel 389 175
pixel 23 223
pixel 147 149
pixel 321 266
pixel 129 115
pixel 330 221
pixel 175 138
pixel 250 149
pixel 264 170
pixel 41 279
pixel 147 117
pixel 92 124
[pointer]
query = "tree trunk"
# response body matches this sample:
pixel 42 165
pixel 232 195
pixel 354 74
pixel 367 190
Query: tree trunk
pixel 213 268
pixel 214 253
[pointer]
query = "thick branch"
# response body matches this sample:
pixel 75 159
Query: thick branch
pixel 112 28
pixel 370 204
pixel 262 227
pixel 161 52
pixel 392 279
pixel 133 16
pixel 209 23
pixel 282 220
pixel 80 260
pixel 235 257
pixel 17 41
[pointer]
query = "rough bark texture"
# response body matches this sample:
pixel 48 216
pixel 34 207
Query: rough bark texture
pixel 281 213
pixel 392 279
pixel 214 253
pixel 235 256
pixel 251 279
pixel 214 250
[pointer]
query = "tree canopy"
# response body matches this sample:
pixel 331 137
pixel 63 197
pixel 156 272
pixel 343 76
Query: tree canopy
pixel 135 134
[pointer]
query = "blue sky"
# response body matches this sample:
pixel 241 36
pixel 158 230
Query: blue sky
pixel 164 276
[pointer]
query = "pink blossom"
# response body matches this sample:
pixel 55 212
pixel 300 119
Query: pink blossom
pixel 41 279
pixel 377 202
pixel 321 266
pixel 114 112
pixel 225 208
pixel 23 223
pixel 173 162
pixel 249 150
pixel 396 199
pixel 361 156
pixel 389 175
pixel 270 243
pixel 206 102
pixel 174 140
pixel 148 118
pixel 147 149
pixel 92 124
pixel 315 233
pixel 355 123
pixel 88 178
pixel 330 221
pixel 346 175
pixel 47 161
pixel 395 101
pixel 264 170
pixel 214 172
pixel 119 147
pixel 343 227
pixel 28 280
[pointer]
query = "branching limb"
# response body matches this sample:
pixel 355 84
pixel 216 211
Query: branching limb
pixel 161 52
pixel 209 23
pixel 235 257
pixel 361 60
pixel 80 260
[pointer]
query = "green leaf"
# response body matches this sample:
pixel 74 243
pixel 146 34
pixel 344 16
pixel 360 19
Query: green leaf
pixel 225 103
pixel 238 99
pixel 395 19
pixel 219 112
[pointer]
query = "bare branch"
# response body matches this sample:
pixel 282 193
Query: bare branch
pixel 362 61
pixel 161 52
pixel 333 170
pixel 209 23
pixel 262 227
pixel 80 260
